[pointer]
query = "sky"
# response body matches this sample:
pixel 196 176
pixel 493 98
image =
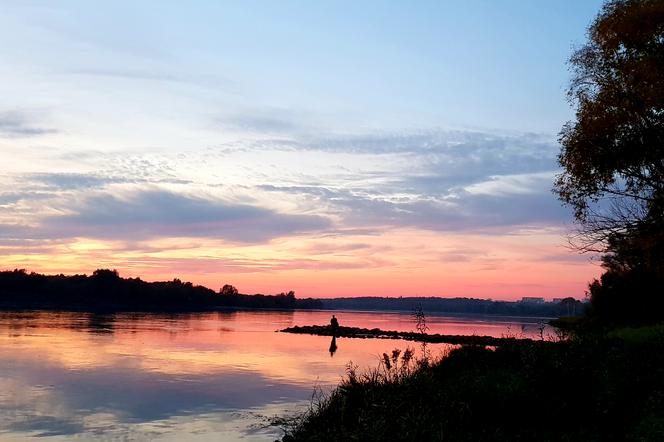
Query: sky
pixel 331 148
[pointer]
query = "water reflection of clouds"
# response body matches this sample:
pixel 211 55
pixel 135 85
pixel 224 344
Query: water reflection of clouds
pixel 136 376
pixel 75 401
pixel 153 351
pixel 57 380
pixel 61 376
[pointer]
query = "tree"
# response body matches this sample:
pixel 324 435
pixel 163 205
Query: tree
pixel 228 290
pixel 569 306
pixel 613 158
pixel 613 153
pixel 106 274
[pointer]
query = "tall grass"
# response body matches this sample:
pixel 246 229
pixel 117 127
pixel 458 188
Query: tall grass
pixel 573 390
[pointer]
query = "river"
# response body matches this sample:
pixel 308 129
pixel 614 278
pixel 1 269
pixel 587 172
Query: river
pixel 209 376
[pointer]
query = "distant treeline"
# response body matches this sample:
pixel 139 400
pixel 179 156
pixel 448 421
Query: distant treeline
pixel 106 290
pixel 565 307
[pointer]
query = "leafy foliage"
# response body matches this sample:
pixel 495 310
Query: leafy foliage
pixel 614 151
pixel 613 158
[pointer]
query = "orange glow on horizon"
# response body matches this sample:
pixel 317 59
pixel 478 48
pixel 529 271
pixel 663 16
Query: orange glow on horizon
pixel 400 262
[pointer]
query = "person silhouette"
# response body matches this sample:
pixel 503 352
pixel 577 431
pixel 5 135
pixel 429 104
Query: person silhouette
pixel 334 325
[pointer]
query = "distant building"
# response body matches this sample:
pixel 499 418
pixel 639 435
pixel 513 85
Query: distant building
pixel 557 300
pixel 532 300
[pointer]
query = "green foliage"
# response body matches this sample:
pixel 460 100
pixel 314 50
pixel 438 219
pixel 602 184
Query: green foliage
pixel 648 334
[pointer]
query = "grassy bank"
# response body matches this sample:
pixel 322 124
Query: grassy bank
pixel 590 389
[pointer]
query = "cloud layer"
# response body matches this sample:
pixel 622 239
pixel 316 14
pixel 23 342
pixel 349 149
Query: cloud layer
pixel 374 209
pixel 148 214
pixel 436 180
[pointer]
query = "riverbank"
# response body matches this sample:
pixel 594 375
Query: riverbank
pixel 595 388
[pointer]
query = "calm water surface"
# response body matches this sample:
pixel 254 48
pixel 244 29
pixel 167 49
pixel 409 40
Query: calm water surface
pixel 212 376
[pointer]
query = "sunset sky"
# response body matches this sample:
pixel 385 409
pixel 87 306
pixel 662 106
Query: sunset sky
pixel 331 148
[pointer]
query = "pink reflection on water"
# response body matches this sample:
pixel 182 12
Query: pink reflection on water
pixel 186 370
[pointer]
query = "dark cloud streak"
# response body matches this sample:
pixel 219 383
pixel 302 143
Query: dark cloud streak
pixel 158 213
pixel 81 181
pixel 19 125
pixel 461 212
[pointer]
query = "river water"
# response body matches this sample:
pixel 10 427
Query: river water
pixel 211 376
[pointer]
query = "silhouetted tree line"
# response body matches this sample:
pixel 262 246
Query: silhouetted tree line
pixel 106 290
pixel 566 307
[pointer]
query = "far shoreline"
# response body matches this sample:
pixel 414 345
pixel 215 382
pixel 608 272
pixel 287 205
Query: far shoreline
pixel 105 291
pixel 265 309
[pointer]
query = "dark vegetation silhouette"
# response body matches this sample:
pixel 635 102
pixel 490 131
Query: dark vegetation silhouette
pixel 565 307
pixel 106 290
pixel 605 382
pixel 418 336
pixel 613 159
pixel 605 390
